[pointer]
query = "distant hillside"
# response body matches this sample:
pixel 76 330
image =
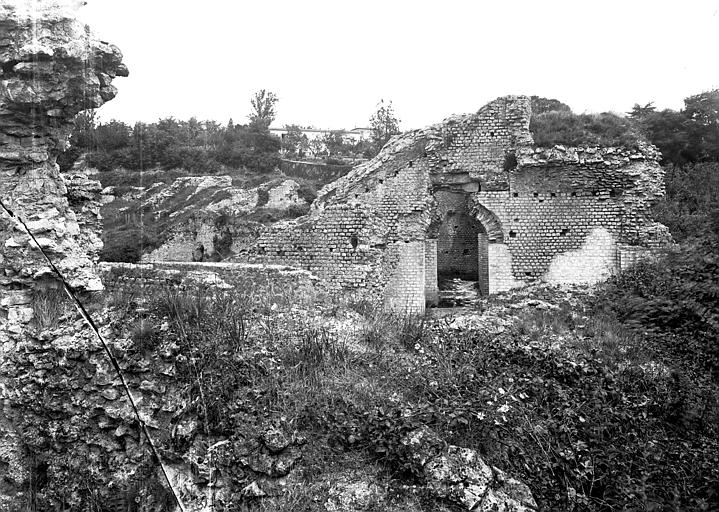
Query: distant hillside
pixel 170 211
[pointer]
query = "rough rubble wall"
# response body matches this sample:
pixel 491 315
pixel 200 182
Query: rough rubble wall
pixel 147 279
pixel 51 68
pixel 545 214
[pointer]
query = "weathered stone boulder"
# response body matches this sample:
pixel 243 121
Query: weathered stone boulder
pixel 462 477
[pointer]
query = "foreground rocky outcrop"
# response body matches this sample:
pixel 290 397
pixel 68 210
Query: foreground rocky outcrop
pixel 51 68
pixel 461 476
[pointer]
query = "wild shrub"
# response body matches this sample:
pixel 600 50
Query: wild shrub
pixel 144 335
pixel 314 354
pixel 689 208
pixel 48 306
pixel 674 300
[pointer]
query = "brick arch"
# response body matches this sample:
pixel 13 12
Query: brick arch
pixel 491 223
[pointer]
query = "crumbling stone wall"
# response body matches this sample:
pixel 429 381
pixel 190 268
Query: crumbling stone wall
pixel 148 279
pixel 561 215
pixel 50 69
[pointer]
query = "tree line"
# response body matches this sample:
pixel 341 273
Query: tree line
pixel 208 147
pixel 202 147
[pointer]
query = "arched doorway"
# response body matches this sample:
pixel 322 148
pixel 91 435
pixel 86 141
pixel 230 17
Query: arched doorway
pixel 462 249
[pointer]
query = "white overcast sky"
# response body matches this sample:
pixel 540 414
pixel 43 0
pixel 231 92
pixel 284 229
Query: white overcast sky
pixel 330 62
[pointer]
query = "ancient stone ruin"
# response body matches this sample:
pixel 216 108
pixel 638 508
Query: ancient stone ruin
pixel 51 69
pixel 470 198
pixel 473 198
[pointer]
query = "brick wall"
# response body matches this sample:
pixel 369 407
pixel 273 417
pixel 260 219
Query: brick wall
pixel 406 286
pixel 557 215
pixel 457 250
pixel 431 288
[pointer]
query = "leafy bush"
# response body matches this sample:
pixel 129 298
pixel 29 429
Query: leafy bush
pixel 690 208
pixel 675 300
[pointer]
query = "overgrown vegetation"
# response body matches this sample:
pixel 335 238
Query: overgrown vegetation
pixel 595 407
pixel 566 128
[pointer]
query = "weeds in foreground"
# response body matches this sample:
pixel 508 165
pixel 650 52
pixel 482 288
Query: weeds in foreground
pixel 565 399
pixel 382 329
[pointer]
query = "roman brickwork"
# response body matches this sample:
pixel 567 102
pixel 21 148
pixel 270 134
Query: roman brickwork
pixel 473 198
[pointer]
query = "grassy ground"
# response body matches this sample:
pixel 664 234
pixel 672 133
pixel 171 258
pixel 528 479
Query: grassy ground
pixel 591 414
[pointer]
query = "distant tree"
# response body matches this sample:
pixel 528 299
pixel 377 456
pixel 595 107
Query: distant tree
pixel 294 141
pixel 263 110
pixel 703 108
pixel 317 147
pixel 113 135
pixel 384 124
pixel 335 143
pixel 194 129
pixel 83 133
pixel 212 132
pixel 670 131
pixel 639 112
pixel 82 139
pixel 542 105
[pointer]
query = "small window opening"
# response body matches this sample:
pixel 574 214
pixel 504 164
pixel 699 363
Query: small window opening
pixel 409 164
pixel 574 194
pixel 512 234
pixel 536 194
pixel 564 232
pixel 553 194
pixel 354 241
pixel 515 194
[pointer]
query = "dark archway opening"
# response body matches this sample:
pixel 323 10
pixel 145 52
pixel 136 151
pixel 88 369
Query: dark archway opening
pixel 461 250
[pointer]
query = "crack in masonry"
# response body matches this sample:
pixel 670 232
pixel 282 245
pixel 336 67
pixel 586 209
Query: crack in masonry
pixel 116 366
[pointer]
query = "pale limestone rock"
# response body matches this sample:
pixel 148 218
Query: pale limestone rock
pixel 462 477
pixel 53 68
